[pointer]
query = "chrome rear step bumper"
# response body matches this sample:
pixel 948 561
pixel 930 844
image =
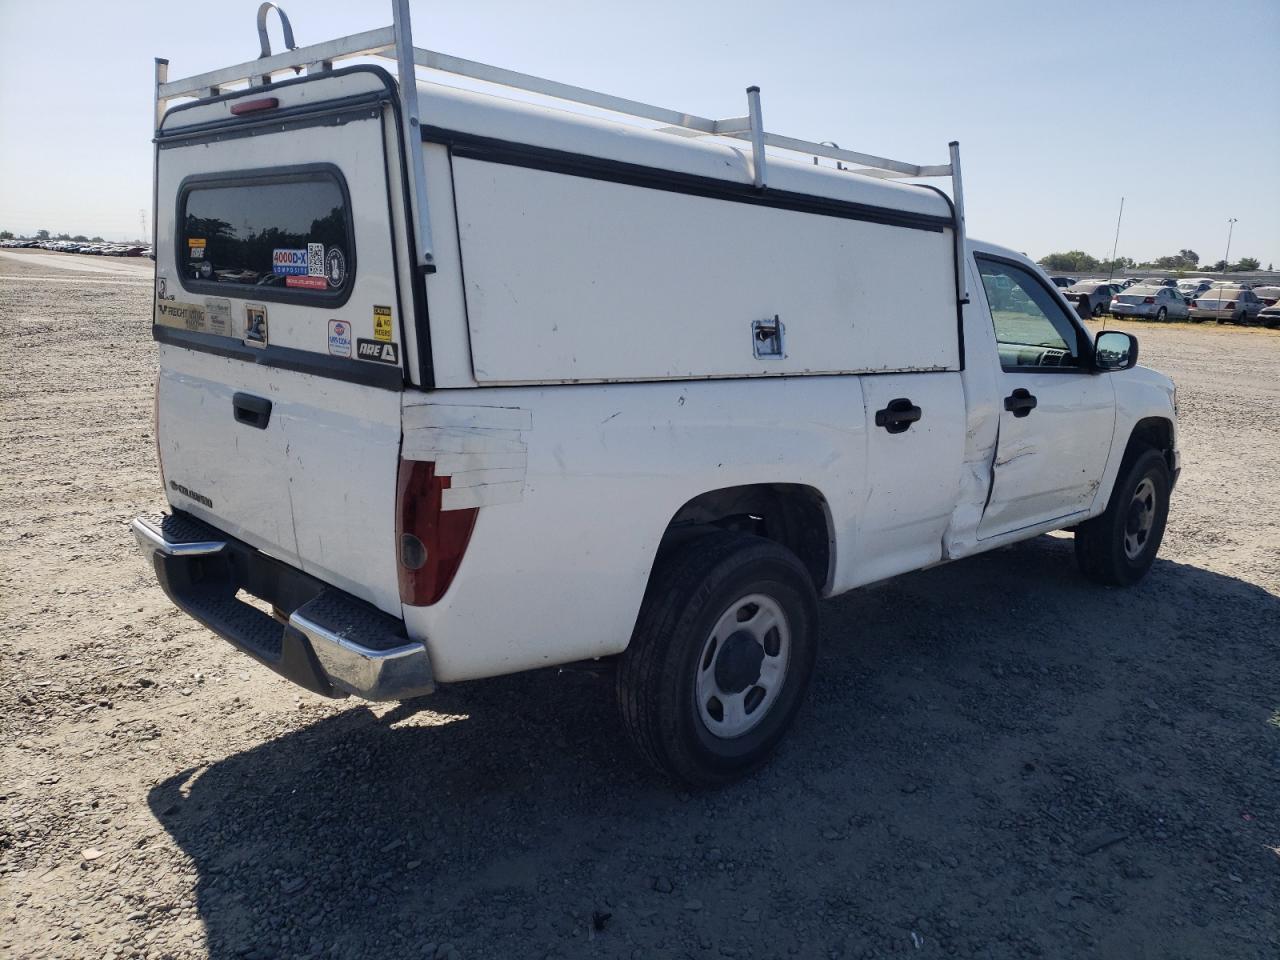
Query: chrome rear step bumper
pixel 332 643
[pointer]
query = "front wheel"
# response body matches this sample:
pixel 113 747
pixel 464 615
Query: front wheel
pixel 720 658
pixel 1119 546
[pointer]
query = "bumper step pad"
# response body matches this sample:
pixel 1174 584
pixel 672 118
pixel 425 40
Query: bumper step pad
pixel 333 644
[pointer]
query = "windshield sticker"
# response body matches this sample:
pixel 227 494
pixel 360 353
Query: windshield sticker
pixel 335 267
pixel 195 247
pixel 289 262
pixel 206 270
pixel 182 316
pixel 315 259
pixel 306 283
pixel 255 324
pixel 217 313
pixel 382 324
pixel 340 338
pixel 378 352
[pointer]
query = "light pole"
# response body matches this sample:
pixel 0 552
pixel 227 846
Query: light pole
pixel 1231 225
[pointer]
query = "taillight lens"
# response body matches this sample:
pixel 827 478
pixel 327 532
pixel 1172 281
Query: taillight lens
pixel 1149 300
pixel 430 540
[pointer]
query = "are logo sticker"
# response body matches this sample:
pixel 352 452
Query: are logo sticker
pixel 377 352
pixel 340 338
pixel 382 324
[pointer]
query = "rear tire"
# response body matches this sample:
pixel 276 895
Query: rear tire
pixel 1119 546
pixel 720 658
pixel 1097 311
pixel 1162 315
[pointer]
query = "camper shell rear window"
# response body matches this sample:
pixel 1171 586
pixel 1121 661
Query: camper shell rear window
pixel 283 235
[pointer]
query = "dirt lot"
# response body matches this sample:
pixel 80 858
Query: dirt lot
pixel 998 759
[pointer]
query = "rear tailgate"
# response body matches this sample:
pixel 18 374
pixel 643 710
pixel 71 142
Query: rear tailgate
pixel 279 322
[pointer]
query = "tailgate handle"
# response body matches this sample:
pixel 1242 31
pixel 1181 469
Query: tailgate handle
pixel 252 411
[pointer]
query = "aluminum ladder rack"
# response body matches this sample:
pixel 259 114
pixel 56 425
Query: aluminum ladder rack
pixel 395 44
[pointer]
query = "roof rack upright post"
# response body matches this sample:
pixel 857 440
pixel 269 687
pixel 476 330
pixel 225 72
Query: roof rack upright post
pixel 162 77
pixel 757 137
pixel 957 199
pixel 407 80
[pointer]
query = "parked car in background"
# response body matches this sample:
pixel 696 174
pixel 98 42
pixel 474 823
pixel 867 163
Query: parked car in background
pixel 1158 282
pixel 1227 303
pixel 1270 316
pixel 1091 298
pixel 1269 296
pixel 1063 282
pixel 1150 302
pixel 1190 289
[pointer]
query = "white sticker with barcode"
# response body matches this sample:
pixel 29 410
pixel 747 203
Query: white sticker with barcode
pixel 315 259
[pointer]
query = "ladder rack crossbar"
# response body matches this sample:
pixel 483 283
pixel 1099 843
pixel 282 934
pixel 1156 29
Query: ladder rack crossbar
pixel 380 43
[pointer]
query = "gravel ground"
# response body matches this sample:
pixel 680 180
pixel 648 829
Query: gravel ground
pixel 998 759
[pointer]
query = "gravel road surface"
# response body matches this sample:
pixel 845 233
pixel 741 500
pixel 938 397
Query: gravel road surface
pixel 998 758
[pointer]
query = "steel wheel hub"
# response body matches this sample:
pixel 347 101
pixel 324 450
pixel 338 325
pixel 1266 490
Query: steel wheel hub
pixel 743 666
pixel 1142 513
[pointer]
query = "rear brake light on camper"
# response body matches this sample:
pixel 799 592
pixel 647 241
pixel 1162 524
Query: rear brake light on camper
pixel 254 106
pixel 430 540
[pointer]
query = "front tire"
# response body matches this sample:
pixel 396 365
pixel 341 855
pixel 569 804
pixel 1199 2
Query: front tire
pixel 720 658
pixel 1119 546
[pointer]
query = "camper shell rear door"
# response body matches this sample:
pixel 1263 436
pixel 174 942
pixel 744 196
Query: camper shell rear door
pixel 283 339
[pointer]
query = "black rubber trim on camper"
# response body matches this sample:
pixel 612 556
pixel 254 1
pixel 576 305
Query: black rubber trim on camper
pixel 1083 338
pixel 358 108
pixel 474 147
pixel 300 296
pixel 364 372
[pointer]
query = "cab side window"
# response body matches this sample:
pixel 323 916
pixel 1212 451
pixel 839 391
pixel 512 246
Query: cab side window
pixel 1032 329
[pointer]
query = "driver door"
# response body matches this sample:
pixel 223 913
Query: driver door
pixel 1057 417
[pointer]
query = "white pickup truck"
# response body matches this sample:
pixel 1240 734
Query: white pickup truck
pixel 458 385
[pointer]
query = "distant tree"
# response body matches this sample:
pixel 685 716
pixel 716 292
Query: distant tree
pixel 1073 260
pixel 1190 256
pixel 42 234
pixel 63 236
pixel 1246 263
pixel 81 238
pixel 95 240
pixel 6 235
pixel 1219 267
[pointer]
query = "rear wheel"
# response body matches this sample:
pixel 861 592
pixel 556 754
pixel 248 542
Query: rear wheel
pixel 1097 310
pixel 1162 315
pixel 1119 546
pixel 720 658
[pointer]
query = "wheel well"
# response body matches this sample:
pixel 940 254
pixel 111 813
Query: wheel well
pixel 1153 432
pixel 791 514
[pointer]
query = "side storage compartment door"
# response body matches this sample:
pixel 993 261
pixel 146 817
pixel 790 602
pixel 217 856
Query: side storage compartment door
pixel 915 450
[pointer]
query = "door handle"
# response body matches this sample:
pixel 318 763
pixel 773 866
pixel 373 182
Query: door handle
pixel 898 416
pixel 1020 402
pixel 251 411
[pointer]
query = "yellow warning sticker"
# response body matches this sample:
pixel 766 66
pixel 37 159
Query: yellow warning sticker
pixel 196 241
pixel 382 323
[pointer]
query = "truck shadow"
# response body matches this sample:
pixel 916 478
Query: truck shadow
pixel 511 818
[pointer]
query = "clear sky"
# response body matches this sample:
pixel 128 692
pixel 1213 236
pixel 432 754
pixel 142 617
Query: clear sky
pixel 1060 109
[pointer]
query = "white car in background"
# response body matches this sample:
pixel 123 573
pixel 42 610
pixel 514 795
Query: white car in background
pixel 1227 303
pixel 1150 303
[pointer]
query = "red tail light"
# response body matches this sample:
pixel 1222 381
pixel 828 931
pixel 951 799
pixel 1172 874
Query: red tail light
pixel 1149 300
pixel 254 106
pixel 430 540
pixel 1230 305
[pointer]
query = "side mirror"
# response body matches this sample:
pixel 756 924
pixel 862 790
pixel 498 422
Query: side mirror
pixel 1113 350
